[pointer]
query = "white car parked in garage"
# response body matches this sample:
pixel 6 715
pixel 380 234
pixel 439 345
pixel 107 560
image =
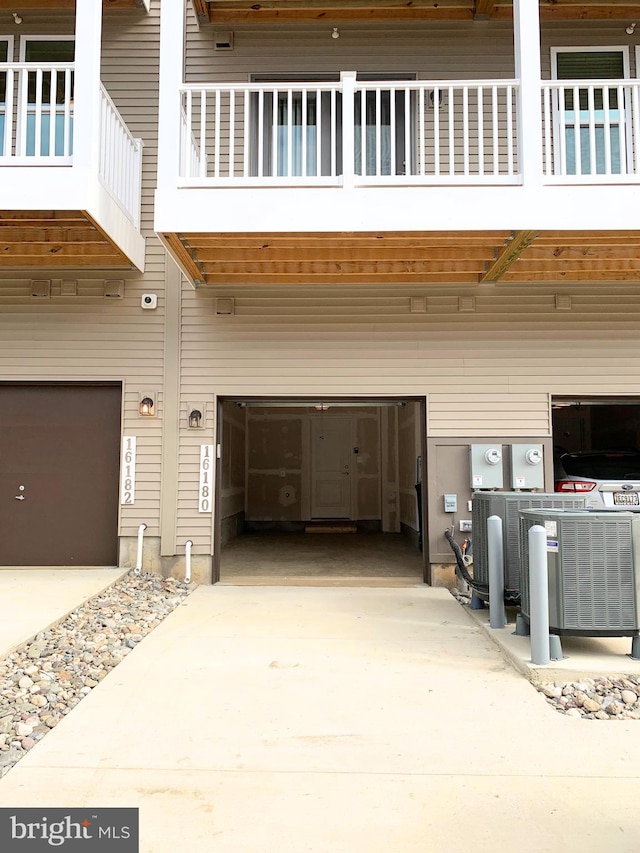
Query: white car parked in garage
pixel 608 479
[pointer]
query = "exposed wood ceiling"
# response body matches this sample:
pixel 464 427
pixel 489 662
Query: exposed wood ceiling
pixel 243 11
pixel 416 257
pixel 45 238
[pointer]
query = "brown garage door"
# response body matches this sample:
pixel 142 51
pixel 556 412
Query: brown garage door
pixel 59 460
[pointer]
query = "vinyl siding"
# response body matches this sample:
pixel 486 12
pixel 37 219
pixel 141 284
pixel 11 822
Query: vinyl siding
pixel 88 337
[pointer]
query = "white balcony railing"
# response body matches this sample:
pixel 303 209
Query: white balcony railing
pixel 36 129
pixel 36 113
pixel 591 131
pixel 120 159
pixel 398 133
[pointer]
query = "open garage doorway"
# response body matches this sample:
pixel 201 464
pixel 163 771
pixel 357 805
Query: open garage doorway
pixel 596 450
pixel 320 491
pixel 587 424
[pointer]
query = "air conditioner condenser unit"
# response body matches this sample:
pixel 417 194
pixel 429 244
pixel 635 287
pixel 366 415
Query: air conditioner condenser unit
pixel 507 506
pixel 593 561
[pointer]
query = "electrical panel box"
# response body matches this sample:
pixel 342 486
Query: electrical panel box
pixel 486 466
pixel 527 466
pixel 450 503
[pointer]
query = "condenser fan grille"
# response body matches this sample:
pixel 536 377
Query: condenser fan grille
pixel 597 574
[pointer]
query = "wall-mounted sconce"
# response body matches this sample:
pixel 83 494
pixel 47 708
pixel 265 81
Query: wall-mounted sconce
pixel 147 406
pixel 321 407
pixel 17 18
pixel 195 417
pixel 335 34
pixel 630 29
pixel 432 97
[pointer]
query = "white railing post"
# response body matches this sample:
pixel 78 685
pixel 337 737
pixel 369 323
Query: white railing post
pixel 526 26
pixel 87 101
pixel 172 35
pixel 348 80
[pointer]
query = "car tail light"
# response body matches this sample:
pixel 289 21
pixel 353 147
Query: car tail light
pixel 575 486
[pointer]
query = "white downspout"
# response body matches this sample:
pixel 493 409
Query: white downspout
pixel 187 561
pixel 141 531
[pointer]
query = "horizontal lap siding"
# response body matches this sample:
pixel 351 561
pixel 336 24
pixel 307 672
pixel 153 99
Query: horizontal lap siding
pixel 485 372
pixel 87 337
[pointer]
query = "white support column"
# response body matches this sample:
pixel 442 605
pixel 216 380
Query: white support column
pixel 86 91
pixel 526 33
pixel 172 37
pixel 348 80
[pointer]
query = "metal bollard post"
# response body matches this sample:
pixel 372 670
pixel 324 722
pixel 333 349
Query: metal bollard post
pixel 538 595
pixel 497 614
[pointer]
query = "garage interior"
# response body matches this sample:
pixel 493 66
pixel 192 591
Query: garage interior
pixel 595 423
pixel 320 492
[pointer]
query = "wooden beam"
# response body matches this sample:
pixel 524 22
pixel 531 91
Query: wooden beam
pixel 590 275
pixel 62 5
pixel 44 234
pixel 338 278
pixel 376 254
pixel 184 256
pixel 201 8
pixel 257 14
pixel 483 9
pixel 509 254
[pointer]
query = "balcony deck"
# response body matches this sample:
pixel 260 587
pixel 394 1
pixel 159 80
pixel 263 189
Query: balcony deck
pixel 285 183
pixel 65 202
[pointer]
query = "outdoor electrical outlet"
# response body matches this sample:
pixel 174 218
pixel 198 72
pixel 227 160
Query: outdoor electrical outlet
pixel 465 525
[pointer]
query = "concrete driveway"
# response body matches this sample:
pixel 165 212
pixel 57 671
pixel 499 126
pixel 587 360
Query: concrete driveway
pixel 335 720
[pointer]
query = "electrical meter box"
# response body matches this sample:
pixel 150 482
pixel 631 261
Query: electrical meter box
pixel 527 466
pixel 486 466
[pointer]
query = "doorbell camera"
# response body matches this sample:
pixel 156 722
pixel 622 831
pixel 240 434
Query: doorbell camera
pixel 149 300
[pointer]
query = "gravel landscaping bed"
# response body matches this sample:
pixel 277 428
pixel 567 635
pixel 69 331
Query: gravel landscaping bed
pixel 602 698
pixel 44 679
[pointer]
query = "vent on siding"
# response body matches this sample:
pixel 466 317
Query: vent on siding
pixel 68 287
pixel 223 41
pixel 114 289
pixel 225 306
pixel 41 288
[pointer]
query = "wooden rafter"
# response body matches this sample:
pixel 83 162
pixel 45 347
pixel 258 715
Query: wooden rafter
pixel 446 257
pixel 41 238
pixel 510 253
pixel 243 11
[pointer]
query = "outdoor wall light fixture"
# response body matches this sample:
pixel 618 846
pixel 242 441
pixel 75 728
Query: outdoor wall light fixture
pixel 17 18
pixel 195 419
pixel 630 29
pixel 321 407
pixel 335 33
pixel 432 97
pixel 147 407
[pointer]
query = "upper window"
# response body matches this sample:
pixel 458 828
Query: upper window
pixel 48 51
pixel 6 45
pixel 591 131
pixel 47 128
